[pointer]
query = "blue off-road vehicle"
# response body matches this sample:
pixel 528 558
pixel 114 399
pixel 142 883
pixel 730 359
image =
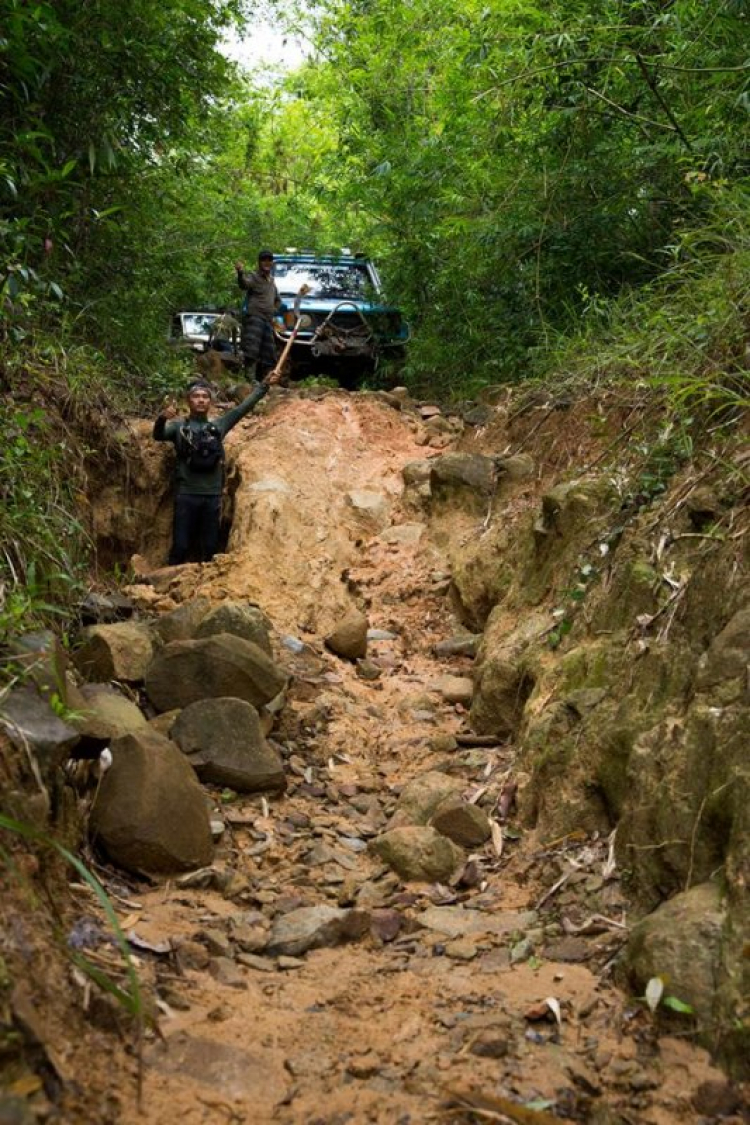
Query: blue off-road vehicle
pixel 345 329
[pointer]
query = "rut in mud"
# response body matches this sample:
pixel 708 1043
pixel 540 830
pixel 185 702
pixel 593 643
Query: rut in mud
pixel 489 996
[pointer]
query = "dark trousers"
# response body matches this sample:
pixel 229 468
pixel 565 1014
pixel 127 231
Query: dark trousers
pixel 258 345
pixel 195 531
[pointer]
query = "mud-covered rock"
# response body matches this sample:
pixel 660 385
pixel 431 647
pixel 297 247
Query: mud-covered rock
pixel 105 609
pixel 180 624
pixel 456 921
pixel 416 473
pixel 240 619
pixel 122 651
pixel 462 645
pixel 728 657
pixel 418 854
pixel 212 667
pixel 466 825
pixel 421 797
pixel 687 787
pixel 151 814
pixel 370 508
pixel 224 744
pixel 468 478
pixel 164 722
pixel 348 638
pixel 513 468
pixel 313 927
pixel 106 714
pixel 506 674
pixel 455 689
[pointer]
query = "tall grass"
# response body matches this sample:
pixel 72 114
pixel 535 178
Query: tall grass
pixel 686 334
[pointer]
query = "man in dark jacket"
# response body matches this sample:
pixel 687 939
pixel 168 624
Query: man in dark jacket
pixel 199 468
pixel 261 301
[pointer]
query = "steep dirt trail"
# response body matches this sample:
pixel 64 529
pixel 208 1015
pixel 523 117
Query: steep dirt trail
pixel 390 1027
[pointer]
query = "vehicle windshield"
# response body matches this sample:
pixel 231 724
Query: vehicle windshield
pixel 324 279
pixel 197 324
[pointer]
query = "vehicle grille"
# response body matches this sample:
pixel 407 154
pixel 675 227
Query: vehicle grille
pixel 345 320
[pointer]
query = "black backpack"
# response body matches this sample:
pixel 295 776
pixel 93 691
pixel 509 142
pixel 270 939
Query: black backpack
pixel 203 449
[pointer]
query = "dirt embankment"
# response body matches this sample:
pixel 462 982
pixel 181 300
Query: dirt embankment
pixel 495 993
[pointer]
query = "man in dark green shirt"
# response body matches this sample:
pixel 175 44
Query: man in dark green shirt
pixel 199 468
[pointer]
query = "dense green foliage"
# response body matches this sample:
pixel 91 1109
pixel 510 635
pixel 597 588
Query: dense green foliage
pixel 523 162
pixel 94 97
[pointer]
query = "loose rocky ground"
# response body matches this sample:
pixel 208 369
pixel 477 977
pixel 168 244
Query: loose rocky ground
pixel 299 978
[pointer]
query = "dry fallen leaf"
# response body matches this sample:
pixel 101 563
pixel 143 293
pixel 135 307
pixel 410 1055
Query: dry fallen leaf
pixel 554 1007
pixel 491 1104
pixel 497 837
pixel 130 921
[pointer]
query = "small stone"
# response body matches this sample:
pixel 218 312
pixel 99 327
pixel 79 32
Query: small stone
pixel 462 949
pixel 250 939
pixel 219 1014
pixel 290 962
pixel 227 972
pixel 455 689
pixel 192 955
pixel 641 1081
pixel 442 743
pixel 521 951
pixel 458 646
pixel 368 670
pixel 216 942
pixel 348 638
pixel 385 925
pixel 259 964
pixel 488 1044
pixel 173 998
pixel 364 1066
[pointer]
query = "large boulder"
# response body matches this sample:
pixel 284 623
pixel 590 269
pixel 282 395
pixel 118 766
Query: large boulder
pixel 122 651
pixel 240 619
pixel 418 854
pixel 151 814
pixel 221 666
pixel 224 743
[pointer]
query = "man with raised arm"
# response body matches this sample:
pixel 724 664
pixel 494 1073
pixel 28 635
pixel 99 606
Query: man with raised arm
pixel 199 467
pixel 261 301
